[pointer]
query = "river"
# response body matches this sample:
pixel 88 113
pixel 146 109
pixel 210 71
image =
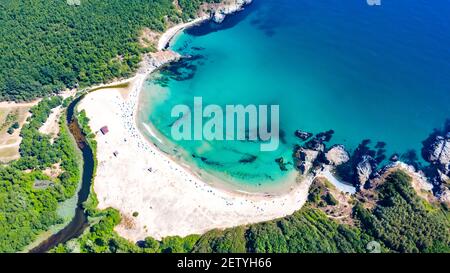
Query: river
pixel 79 222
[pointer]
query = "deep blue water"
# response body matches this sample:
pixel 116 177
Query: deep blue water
pixel 380 73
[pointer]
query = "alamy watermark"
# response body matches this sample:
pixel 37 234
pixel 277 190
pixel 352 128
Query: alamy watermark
pixel 235 122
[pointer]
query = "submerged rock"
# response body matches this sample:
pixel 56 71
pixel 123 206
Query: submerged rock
pixel 303 135
pixel 248 158
pixel 394 158
pixel 281 163
pixel 315 144
pixel 337 155
pixel 325 136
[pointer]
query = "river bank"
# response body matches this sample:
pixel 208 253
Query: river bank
pixel 74 222
pixel 72 211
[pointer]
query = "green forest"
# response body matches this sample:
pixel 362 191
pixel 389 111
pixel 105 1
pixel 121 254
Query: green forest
pixel 191 7
pixel 403 221
pixel 48 46
pixel 400 222
pixel 26 207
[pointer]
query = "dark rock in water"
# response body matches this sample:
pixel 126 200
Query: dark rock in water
pixel 394 158
pixel 361 166
pixel 303 135
pixel 381 152
pixel 436 150
pixel 380 145
pixel 325 136
pixel 380 158
pixel 410 157
pixel 315 144
pixel 206 160
pixel 281 163
pixel 202 158
pixel 365 142
pixel 304 159
pixel 248 158
pixel 282 136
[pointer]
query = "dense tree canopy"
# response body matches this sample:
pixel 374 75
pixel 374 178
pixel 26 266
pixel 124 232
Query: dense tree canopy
pixel 400 222
pixel 47 46
pixel 403 221
pixel 191 7
pixel 26 209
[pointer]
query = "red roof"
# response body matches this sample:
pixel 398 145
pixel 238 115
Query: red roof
pixel 104 130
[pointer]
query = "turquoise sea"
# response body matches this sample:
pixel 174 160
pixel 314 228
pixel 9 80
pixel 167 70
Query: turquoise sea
pixel 367 72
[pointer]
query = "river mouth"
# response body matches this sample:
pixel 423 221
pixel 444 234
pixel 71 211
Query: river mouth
pixel 360 78
pixel 80 221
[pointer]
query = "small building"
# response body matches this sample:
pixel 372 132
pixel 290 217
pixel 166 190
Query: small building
pixel 104 130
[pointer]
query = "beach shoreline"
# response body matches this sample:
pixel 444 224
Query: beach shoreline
pixel 135 177
pixel 166 38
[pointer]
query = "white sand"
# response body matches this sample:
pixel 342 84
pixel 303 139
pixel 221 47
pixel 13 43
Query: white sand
pixel 165 38
pixel 51 125
pixel 326 173
pixel 170 199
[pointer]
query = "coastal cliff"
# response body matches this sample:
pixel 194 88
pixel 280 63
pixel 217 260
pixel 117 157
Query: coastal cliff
pixel 366 167
pixel 218 11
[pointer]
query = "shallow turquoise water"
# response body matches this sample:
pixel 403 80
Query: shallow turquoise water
pixel 379 73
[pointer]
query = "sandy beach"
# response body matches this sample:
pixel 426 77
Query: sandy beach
pixel 136 178
pixel 167 36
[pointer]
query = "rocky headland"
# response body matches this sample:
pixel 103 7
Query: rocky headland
pixel 218 11
pixel 366 167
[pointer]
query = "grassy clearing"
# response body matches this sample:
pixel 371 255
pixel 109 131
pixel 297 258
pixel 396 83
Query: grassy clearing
pixel 10 141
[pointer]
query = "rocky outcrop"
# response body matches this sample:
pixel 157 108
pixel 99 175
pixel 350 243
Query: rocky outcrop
pixel 312 153
pixel 364 169
pixel 337 155
pixel 315 145
pixel 303 135
pixel 220 11
pixel 155 60
pixel 439 151
pixel 305 159
pixel 281 163
pixel 325 136
pixel 418 176
pixel 436 151
pixel 445 196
